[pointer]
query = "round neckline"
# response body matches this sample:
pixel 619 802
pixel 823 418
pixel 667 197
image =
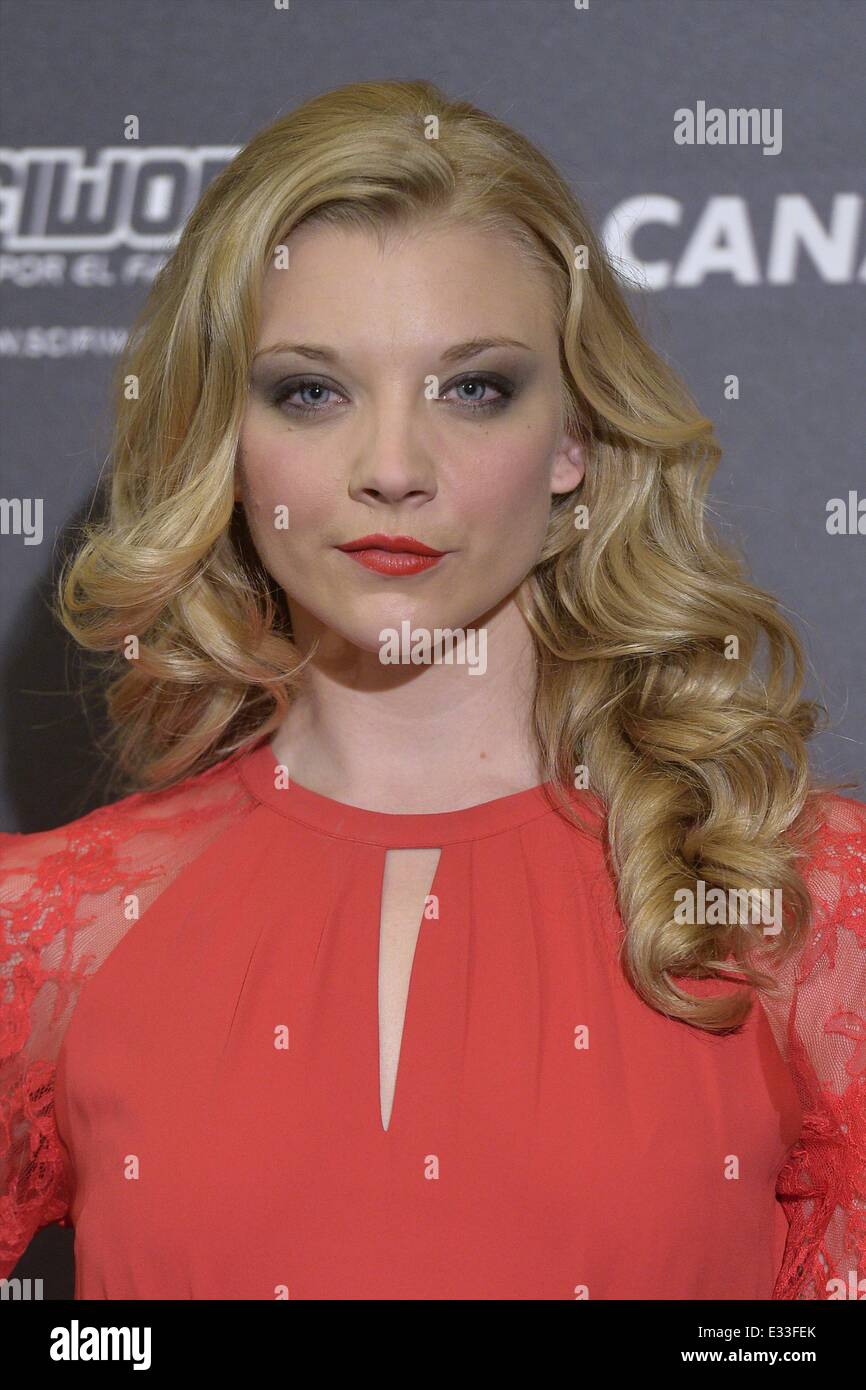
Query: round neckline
pixel 392 830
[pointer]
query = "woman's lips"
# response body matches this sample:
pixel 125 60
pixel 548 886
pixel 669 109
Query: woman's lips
pixel 387 554
pixel 394 562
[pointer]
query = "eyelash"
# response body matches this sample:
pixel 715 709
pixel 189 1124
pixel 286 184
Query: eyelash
pixel 505 388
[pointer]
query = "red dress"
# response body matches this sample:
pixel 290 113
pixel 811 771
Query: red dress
pixel 189 1065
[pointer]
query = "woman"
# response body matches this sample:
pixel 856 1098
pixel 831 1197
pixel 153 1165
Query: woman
pixel 411 961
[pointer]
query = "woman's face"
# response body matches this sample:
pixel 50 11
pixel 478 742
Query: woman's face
pixel 345 436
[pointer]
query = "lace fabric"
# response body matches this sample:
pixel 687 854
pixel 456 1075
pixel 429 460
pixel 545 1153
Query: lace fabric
pixel 68 896
pixel 818 1016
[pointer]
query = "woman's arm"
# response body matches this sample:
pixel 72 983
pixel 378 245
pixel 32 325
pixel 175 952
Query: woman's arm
pixel 822 1185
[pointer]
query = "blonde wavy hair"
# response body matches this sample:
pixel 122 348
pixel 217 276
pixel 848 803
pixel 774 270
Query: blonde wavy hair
pixel 699 763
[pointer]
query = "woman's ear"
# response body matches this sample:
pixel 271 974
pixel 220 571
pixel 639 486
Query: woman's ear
pixel 569 464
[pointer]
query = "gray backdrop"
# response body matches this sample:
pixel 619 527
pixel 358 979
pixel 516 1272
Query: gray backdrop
pixel 753 262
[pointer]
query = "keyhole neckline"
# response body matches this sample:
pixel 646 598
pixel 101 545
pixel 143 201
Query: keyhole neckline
pixel 400 830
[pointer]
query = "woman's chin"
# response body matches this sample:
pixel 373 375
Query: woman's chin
pixel 402 634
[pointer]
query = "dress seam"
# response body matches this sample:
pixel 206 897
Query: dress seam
pixel 387 844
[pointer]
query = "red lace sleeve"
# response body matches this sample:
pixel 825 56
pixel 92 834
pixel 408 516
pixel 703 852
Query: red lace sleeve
pixel 819 1017
pixel 62 899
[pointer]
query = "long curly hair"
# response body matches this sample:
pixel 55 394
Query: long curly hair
pixel 645 628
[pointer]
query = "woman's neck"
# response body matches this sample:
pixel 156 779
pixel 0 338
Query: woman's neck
pixel 413 739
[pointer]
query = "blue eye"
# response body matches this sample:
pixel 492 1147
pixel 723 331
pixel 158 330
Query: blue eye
pixel 505 389
pixel 282 393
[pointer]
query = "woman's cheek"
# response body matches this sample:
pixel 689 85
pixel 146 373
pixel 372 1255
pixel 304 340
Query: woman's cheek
pixel 516 486
pixel 273 489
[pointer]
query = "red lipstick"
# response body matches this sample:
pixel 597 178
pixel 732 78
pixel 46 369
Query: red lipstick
pixel 397 555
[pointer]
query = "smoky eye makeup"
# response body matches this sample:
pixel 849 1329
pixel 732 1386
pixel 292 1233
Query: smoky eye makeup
pixel 481 391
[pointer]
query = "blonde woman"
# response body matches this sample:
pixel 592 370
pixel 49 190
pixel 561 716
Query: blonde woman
pixel 468 923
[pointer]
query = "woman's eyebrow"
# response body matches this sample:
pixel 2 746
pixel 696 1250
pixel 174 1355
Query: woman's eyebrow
pixel 458 353
pixel 473 346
